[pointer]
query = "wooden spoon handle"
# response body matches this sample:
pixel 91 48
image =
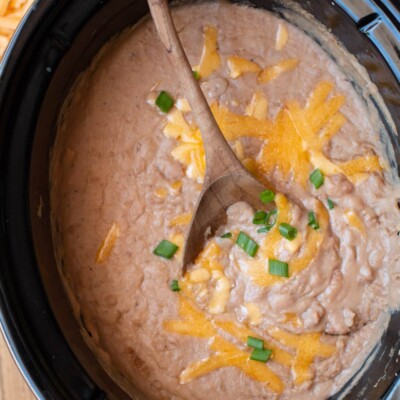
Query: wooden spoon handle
pixel 220 159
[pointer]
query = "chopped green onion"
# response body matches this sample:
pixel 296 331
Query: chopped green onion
pixel 278 268
pixel 166 249
pixel 289 232
pixel 262 355
pixel 270 221
pixel 255 343
pixel 175 286
pixel 264 229
pixel 312 220
pixel 267 196
pixel 317 178
pixel 196 75
pixel 260 217
pixel 226 235
pixel 331 204
pixel 247 244
pixel 164 101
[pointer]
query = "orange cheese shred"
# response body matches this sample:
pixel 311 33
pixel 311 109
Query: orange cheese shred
pixel 235 126
pixel 228 355
pixel 308 346
pixel 274 71
pixel 239 65
pixel 210 59
pixel 107 244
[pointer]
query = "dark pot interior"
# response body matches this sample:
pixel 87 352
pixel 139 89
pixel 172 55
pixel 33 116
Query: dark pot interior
pixel 56 42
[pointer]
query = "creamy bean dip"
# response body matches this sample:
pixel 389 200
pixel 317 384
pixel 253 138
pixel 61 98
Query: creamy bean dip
pixel 284 302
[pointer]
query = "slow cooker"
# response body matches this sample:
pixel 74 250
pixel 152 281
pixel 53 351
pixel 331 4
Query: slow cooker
pixel 54 43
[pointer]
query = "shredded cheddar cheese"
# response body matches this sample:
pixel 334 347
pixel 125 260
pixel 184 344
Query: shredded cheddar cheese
pixel 210 58
pixel 208 258
pixel 282 37
pixel 182 219
pixel 239 65
pixel 199 275
pixel 274 71
pixel 258 107
pixel 107 244
pixel 161 193
pixel 221 293
pixel 354 220
pixel 308 346
pixel 175 187
pixel 224 353
pixel 253 313
pixel 235 126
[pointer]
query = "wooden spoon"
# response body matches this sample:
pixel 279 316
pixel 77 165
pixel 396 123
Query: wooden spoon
pixel 226 180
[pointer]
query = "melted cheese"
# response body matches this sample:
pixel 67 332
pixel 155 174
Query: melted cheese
pixel 258 107
pixel 282 37
pixel 195 323
pixel 235 126
pixel 308 346
pixel 228 355
pixel 199 275
pixel 239 65
pixel 220 295
pixel 161 193
pixel 354 220
pixel 208 258
pixel 175 187
pixel 274 71
pixel 107 244
pixel 182 219
pixel 210 58
pixel 253 313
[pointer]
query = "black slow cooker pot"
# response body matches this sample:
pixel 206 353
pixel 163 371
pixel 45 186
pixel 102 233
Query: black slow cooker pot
pixel 55 42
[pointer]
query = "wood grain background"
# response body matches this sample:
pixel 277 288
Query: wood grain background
pixel 12 384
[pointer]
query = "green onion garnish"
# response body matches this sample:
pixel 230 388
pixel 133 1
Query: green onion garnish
pixel 289 232
pixel 226 235
pixel 262 355
pixel 255 343
pixel 278 268
pixel 196 75
pixel 164 101
pixel 331 204
pixel 260 217
pixel 270 222
pixel 317 178
pixel 312 220
pixel 175 286
pixel 264 229
pixel 166 249
pixel 267 196
pixel 247 244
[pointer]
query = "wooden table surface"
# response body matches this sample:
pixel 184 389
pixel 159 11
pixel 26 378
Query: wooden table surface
pixel 12 384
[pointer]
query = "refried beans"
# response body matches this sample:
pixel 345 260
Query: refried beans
pixel 283 302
